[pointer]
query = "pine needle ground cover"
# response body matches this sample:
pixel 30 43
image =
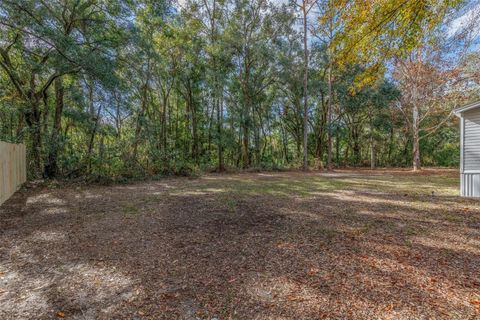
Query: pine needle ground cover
pixel 287 245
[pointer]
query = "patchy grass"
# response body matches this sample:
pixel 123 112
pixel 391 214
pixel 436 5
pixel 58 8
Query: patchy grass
pixel 312 184
pixel 130 210
pixel 290 245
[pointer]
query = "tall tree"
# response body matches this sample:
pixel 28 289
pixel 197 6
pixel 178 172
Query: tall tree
pixel 53 40
pixel 328 29
pixel 305 6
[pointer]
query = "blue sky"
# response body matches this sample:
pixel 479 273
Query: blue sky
pixel 470 15
pixel 469 18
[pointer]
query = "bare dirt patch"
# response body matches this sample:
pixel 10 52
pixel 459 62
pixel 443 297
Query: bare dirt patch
pixel 349 245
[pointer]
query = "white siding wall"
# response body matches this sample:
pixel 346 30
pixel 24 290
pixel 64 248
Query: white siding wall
pixel 470 185
pixel 471 141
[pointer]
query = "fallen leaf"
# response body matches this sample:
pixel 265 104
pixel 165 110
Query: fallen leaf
pixel 293 297
pixel 169 295
pixel 61 314
pixel 312 272
pixel 389 307
pixel 475 302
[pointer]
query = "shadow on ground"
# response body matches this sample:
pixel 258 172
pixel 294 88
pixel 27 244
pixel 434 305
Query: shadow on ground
pixel 258 246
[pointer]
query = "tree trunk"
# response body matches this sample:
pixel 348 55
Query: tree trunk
pixel 32 118
pixel 372 141
pixel 320 146
pixel 305 87
pixel 356 153
pixel 330 100
pixel 284 142
pixel 143 107
pixel 372 154
pixel 322 124
pixel 390 144
pixel 416 140
pixel 245 147
pixel 166 115
pixel 256 137
pixel 45 116
pixel 36 137
pixel 246 122
pixel 356 147
pixel 221 164
pixel 337 148
pixel 93 133
pixel 346 156
pixel 51 168
pixel 138 128
pixel 193 113
pixel 329 119
pixel 211 128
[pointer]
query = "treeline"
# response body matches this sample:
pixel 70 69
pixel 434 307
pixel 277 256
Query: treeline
pixel 111 89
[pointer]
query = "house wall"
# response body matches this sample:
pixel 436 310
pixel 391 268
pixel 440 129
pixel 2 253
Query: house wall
pixel 471 140
pixel 470 156
pixel 470 184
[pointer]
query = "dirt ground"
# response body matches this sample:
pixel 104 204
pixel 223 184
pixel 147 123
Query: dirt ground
pixel 344 245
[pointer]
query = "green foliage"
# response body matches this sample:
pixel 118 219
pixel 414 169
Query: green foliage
pixel 143 88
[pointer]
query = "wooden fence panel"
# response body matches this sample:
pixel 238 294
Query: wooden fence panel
pixel 13 169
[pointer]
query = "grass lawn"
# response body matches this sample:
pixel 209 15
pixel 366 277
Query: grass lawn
pixel 289 245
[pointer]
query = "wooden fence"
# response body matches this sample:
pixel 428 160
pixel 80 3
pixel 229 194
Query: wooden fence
pixel 13 169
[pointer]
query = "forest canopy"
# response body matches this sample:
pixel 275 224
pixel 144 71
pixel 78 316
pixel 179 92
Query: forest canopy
pixel 103 89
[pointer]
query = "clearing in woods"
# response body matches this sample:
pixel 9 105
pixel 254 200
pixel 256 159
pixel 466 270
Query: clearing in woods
pixel 289 245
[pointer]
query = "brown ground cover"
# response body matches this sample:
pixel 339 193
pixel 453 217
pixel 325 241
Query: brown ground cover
pixel 344 245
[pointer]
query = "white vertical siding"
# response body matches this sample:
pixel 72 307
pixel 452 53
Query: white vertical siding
pixel 470 185
pixel 470 153
pixel 471 140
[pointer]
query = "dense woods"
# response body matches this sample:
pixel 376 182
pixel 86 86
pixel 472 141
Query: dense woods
pixel 119 89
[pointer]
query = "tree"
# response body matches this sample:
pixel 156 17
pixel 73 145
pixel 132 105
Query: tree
pixel 104 89
pixel 46 42
pixel 250 34
pixel 328 29
pixel 432 84
pixel 375 31
pixel 305 6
